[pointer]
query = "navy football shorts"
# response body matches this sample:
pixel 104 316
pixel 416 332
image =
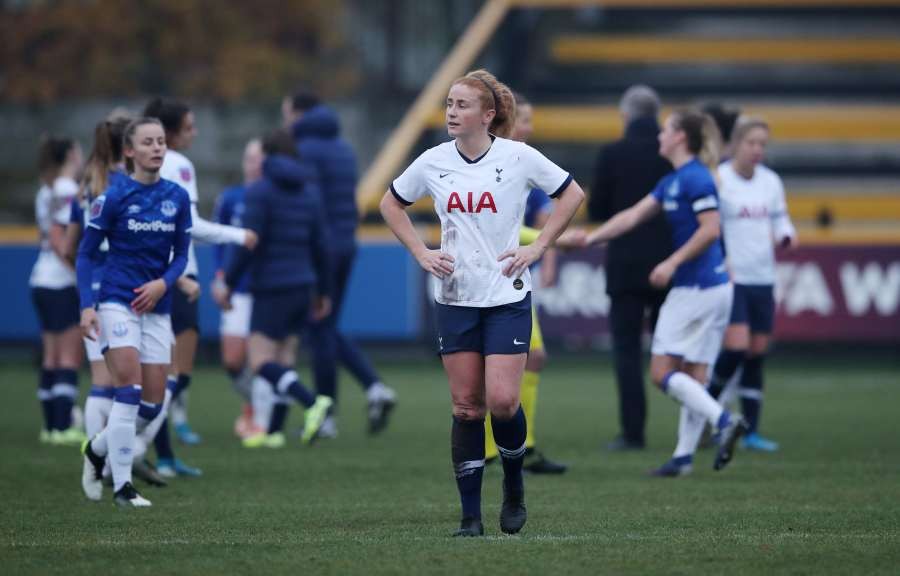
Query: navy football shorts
pixel 278 314
pixel 57 308
pixel 755 306
pixel 185 315
pixel 504 329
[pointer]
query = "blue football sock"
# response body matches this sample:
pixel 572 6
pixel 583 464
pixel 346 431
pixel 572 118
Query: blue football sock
pixel 467 449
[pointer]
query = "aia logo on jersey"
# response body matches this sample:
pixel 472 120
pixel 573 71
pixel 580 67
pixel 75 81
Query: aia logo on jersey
pixel 97 206
pixel 168 208
pixel 753 212
pixel 185 174
pixel 485 202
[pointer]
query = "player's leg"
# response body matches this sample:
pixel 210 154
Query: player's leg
pixel 235 329
pixel 762 313
pixel 506 329
pixel 380 398
pixel 465 375
pixel 50 432
pixel 185 326
pixel 626 316
pixel 65 387
pixel 535 460
pixel 735 344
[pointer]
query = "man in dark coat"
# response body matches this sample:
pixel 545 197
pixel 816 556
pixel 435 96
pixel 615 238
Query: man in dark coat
pixel 626 171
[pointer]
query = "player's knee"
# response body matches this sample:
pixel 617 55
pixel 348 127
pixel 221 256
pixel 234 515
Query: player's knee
pixel 468 410
pixel 658 374
pixel 504 407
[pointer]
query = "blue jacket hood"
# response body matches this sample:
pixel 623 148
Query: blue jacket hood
pixel 286 172
pixel 317 122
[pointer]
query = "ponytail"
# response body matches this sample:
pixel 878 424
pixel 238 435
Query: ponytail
pixel 493 95
pixel 52 153
pixel 702 136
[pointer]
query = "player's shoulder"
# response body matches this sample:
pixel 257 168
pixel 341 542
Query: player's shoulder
pixel 695 173
pixel 726 169
pixel 174 190
pixel 64 187
pixel 768 176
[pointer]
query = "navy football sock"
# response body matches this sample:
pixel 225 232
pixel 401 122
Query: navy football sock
pixel 286 382
pixel 65 392
pixel 509 436
pixel 45 395
pixel 467 452
pixel 163 442
pixel 751 391
pixel 727 364
pixel 182 384
pixel 278 416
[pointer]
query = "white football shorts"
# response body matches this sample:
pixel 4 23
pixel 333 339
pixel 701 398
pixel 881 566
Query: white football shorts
pixel 151 334
pixel 692 322
pixel 236 322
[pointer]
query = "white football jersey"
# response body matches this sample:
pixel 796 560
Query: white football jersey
pixel 480 204
pixel 754 218
pixel 53 205
pixel 177 168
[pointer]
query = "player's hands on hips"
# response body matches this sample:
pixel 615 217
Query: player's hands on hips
pixel 148 295
pixel 250 239
pixel 662 274
pixel 519 259
pixel 90 324
pixel 190 287
pixel 321 308
pixel 436 262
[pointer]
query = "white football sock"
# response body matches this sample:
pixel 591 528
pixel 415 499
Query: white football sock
pixel 262 399
pixel 120 433
pixel 178 409
pixel 96 413
pixel 690 429
pixel 688 392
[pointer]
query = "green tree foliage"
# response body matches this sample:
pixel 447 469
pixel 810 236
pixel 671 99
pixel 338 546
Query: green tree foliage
pixel 224 51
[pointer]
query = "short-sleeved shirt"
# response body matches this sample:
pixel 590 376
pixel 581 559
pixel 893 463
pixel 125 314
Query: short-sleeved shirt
pixel 754 215
pixel 683 195
pixel 480 203
pixel 141 223
pixel 230 210
pixel 52 206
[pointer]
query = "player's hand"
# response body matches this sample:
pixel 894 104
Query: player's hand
pixel 321 308
pixel 148 295
pixel 190 288
pixel 662 274
pixel 519 259
pixel 436 262
pixel 788 242
pixel 250 239
pixel 90 324
pixel 572 238
pixel 221 293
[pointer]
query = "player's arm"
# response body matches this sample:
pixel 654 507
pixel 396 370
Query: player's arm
pixel 625 221
pixel 708 232
pixel 256 220
pixel 84 272
pixel 783 228
pixel 213 233
pixel 432 261
pixel 70 242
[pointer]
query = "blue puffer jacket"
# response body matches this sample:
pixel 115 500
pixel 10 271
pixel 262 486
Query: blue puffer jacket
pixel 318 139
pixel 285 209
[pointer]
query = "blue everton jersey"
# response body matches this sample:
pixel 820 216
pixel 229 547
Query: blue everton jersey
pixel 142 224
pixel 537 203
pixel 683 194
pixel 230 210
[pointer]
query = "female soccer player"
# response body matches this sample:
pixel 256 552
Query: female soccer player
pixel 53 291
pixel 754 220
pixel 105 166
pixel 479 182
pixel 538 208
pixel 289 281
pixel 693 317
pixel 235 324
pixel 147 222
pixel 178 121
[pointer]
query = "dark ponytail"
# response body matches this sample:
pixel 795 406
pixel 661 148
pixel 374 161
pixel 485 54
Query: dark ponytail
pixel 168 111
pixel 52 153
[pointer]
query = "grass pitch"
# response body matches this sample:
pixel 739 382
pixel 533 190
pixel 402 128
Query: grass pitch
pixel 829 502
